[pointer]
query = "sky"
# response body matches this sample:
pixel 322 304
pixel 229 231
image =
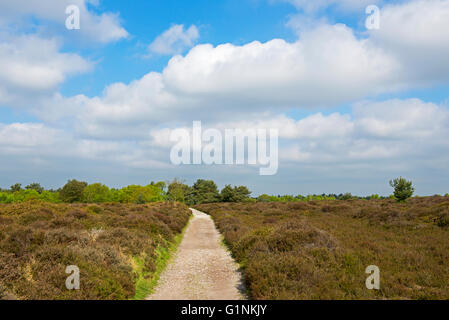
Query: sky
pixel 354 106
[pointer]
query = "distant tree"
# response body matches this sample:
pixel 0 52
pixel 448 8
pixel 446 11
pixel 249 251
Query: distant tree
pixel 96 193
pixel 403 189
pixel 141 194
pixel 35 186
pixel 264 198
pixel 204 191
pixel 227 194
pixel 179 191
pixel 234 194
pixel 242 193
pixel 346 196
pixel 16 187
pixel 72 191
pixel 161 185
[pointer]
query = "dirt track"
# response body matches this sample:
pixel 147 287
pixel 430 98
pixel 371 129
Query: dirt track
pixel 202 268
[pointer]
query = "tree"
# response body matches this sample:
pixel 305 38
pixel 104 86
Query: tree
pixel 346 196
pixel 72 191
pixel 204 191
pixel 179 191
pixel 16 187
pixel 96 193
pixel 139 194
pixel 236 194
pixel 35 186
pixel 403 189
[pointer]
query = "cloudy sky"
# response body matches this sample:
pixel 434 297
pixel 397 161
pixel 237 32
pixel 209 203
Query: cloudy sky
pixel 354 107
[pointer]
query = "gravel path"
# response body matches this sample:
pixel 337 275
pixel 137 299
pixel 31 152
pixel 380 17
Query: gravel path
pixel 202 268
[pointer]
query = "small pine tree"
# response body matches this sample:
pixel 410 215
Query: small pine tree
pixel 403 189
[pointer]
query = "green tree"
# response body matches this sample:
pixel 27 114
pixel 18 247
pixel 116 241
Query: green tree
pixel 139 194
pixel 403 189
pixel 264 198
pixel 346 196
pixel 35 186
pixel 236 194
pixel 16 187
pixel 96 193
pixel 204 191
pixel 72 191
pixel 178 191
pixel 227 194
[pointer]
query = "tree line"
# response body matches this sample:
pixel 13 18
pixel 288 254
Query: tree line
pixel 202 191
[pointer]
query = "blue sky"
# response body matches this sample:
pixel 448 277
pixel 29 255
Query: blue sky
pixel 354 107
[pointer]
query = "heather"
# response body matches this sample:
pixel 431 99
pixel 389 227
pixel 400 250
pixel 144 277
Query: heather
pixel 320 249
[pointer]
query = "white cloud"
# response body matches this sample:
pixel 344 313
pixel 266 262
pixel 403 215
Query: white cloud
pixel 103 28
pixel 417 34
pixel 174 40
pixel 316 5
pixel 31 66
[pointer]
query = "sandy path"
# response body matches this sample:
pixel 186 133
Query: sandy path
pixel 202 269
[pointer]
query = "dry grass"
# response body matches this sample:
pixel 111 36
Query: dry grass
pixel 39 240
pixel 320 249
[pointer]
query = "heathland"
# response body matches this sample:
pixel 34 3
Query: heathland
pixel 119 248
pixel 288 247
pixel 320 249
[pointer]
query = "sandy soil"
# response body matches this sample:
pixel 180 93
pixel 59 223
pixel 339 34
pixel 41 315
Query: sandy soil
pixel 202 268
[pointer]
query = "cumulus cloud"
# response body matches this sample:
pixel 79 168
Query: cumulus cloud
pixel 238 81
pixel 174 40
pixel 417 33
pixel 391 131
pixel 316 5
pixel 103 28
pixel 31 66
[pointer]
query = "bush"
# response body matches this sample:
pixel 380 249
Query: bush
pixel 73 191
pixel 403 189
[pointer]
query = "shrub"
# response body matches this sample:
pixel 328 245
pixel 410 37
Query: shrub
pixel 73 191
pixel 403 189
pixel 39 240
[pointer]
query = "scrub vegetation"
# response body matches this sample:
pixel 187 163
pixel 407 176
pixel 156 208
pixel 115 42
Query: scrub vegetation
pixel 320 249
pixel 119 248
